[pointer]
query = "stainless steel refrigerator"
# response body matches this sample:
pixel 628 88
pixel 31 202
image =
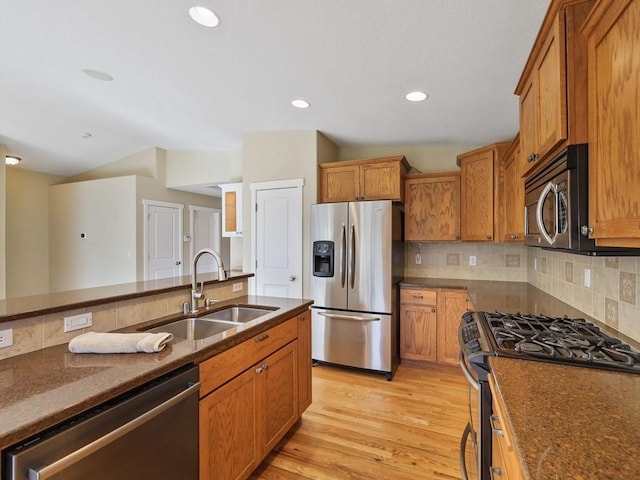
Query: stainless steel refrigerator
pixel 357 263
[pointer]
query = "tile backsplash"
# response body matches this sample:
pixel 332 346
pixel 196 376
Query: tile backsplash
pixel 506 262
pixel 605 288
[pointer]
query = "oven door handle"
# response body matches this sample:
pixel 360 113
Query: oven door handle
pixel 465 370
pixel 549 187
pixel 463 449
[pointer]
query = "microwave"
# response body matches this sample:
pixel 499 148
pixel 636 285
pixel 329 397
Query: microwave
pixel 556 212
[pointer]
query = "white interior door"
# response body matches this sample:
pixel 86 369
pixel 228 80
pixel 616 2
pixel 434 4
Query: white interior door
pixel 278 270
pixel 163 240
pixel 206 233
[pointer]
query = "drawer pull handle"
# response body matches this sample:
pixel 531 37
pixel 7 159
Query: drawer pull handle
pixel 262 338
pixel 495 420
pixel 419 297
pixel 262 368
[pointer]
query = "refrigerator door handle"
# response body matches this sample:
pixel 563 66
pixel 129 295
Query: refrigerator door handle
pixel 357 318
pixel 352 273
pixel 343 258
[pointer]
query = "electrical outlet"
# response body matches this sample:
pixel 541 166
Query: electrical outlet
pixel 535 263
pixel 472 260
pixel 237 287
pixel 587 277
pixel 76 322
pixel 418 259
pixel 6 338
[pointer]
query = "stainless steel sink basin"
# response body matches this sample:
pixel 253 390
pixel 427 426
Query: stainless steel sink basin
pixel 194 328
pixel 239 314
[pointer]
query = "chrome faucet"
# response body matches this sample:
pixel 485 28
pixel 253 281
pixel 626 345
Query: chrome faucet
pixel 198 294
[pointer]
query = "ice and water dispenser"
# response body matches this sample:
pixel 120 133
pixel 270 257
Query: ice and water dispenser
pixel 323 256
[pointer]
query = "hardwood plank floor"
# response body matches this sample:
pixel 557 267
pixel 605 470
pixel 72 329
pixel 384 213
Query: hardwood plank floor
pixel 362 427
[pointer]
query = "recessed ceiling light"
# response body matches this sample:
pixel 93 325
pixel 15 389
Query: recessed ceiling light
pixel 11 160
pixel 299 103
pixel 416 96
pixel 204 16
pixel 98 75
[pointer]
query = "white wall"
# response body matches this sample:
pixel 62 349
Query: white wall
pixel 104 211
pixel 28 231
pixel 3 205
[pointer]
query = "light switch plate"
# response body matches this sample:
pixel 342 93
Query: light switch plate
pixel 587 278
pixel 77 322
pixel 472 260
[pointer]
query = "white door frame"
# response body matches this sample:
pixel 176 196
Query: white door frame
pixel 272 185
pixel 145 233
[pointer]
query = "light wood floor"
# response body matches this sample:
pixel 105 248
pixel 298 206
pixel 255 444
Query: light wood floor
pixel 362 427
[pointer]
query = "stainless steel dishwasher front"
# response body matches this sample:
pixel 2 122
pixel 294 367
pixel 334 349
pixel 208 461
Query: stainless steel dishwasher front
pixel 150 433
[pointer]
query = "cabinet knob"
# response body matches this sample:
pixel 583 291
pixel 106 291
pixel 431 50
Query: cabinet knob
pixel 433 310
pixel 495 471
pixel 489 237
pixel 457 237
pixel 586 230
pixel 514 236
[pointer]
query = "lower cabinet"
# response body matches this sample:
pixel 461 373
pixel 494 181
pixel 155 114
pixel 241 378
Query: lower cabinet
pixel 505 464
pixel 429 320
pixel 250 398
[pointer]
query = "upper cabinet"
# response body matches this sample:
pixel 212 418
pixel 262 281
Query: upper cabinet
pixel 553 86
pixel 512 194
pixel 231 209
pixel 432 207
pixel 613 30
pixel 366 179
pixel 479 206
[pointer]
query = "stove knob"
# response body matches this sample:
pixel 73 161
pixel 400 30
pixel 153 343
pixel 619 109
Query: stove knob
pixel 474 345
pixel 467 317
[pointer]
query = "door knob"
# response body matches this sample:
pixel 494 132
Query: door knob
pixel 178 262
pixel 292 278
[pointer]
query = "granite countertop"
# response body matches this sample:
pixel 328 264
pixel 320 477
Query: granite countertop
pixel 43 388
pixel 569 421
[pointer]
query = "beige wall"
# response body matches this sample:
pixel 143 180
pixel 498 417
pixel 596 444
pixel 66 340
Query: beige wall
pixel 426 159
pixel 269 156
pixel 142 163
pixel 192 167
pixel 28 231
pixel 3 220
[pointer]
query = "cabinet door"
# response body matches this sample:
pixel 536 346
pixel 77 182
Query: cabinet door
pixel 451 307
pixel 528 127
pixel 614 136
pixel 380 181
pixel 339 184
pixel 278 399
pixel 229 417
pixel 477 194
pixel 232 210
pixel 418 332
pixel 432 208
pixel 513 197
pixel 304 361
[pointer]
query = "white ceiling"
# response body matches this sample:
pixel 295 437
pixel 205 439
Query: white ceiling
pixel 178 85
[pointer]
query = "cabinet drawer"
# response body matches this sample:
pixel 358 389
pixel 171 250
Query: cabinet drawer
pixel 221 368
pixel 418 296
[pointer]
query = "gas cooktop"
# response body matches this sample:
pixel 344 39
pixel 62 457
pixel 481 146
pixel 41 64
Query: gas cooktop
pixel 554 339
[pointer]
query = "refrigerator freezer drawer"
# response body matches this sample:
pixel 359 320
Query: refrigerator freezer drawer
pixel 354 339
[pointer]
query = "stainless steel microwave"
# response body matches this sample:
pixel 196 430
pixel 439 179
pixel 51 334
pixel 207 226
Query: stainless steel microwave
pixel 556 212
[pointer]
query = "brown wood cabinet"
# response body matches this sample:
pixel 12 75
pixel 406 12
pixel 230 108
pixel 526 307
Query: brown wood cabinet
pixel 429 320
pixel 479 206
pixel 613 31
pixel 512 195
pixel 250 398
pixel 304 359
pixel 432 207
pixel 552 88
pixel 505 462
pixel 365 179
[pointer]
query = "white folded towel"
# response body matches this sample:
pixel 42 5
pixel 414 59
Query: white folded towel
pixel 93 342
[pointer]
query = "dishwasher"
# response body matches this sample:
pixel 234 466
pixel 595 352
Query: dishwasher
pixel 150 432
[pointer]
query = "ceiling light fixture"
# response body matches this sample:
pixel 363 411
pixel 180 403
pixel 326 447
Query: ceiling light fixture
pixel 11 160
pixel 299 103
pixel 97 74
pixel 416 96
pixel 204 16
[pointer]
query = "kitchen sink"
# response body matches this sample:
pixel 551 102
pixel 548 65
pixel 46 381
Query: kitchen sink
pixel 194 328
pixel 239 314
